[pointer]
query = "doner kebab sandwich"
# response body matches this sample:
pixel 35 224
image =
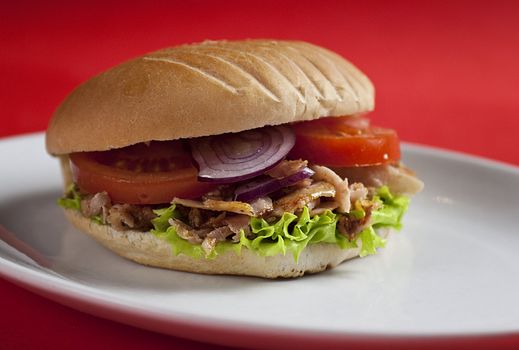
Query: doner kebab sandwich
pixel 249 157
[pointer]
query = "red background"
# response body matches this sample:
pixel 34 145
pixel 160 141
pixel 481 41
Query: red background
pixel 446 75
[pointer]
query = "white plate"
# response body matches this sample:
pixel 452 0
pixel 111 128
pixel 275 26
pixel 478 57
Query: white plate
pixel 452 271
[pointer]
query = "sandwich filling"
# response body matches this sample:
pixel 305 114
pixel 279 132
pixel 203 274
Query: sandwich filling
pixel 273 190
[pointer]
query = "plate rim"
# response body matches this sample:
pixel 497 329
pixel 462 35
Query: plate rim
pixel 190 326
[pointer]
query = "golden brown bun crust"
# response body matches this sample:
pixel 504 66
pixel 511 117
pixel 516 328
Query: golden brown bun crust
pixel 144 248
pixel 206 89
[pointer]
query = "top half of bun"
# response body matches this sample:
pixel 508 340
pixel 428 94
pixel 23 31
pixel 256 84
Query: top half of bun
pixel 208 88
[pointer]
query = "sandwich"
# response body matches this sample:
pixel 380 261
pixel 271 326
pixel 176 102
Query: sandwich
pixel 251 157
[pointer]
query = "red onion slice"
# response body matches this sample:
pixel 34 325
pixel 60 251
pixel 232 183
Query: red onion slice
pixel 240 156
pixel 261 187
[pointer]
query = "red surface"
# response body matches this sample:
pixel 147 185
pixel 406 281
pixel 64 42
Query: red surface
pixel 446 75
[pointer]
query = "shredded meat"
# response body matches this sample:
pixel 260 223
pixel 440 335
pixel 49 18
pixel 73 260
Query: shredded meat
pixel 236 224
pixel 313 204
pixel 120 216
pixel 261 205
pixel 216 229
pixel 220 233
pixel 302 184
pixel 127 216
pixel 286 168
pixel 208 244
pixel 208 238
pixel 195 217
pixel 200 218
pixel 324 206
pixel 296 200
pixel 350 226
pixel 209 227
pixel 187 232
pixel 358 192
pixel 342 195
pixel 97 204
pixel 398 178
pixel 218 205
pixel 215 221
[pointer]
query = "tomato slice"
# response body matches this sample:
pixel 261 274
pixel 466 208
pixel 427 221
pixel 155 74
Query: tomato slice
pixel 345 142
pixel 139 174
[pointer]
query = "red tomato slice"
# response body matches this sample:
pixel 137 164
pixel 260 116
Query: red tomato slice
pixel 139 174
pixel 345 142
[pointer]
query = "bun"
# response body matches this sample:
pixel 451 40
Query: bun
pixel 145 248
pixel 207 88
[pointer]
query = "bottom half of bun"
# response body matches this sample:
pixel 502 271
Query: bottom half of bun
pixel 147 249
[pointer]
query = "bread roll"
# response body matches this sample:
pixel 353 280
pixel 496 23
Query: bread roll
pixel 207 89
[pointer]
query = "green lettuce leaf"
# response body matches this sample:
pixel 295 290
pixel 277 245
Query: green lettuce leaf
pixel 370 241
pixel 392 210
pixel 160 223
pixel 290 233
pixel 72 199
